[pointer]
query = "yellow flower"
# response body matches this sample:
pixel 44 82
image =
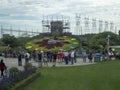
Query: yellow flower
pixel 73 39
pixel 29 47
pixel 75 43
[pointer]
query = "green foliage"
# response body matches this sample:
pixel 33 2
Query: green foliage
pixel 12 41
pixel 27 66
pixel 2 49
pixel 101 76
pixel 13 70
pixel 84 43
pixel 23 40
pixel 23 83
pixel 117 50
pixel 100 40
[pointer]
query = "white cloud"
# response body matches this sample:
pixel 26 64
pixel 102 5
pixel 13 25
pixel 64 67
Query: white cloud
pixel 20 11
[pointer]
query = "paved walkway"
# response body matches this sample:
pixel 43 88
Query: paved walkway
pixel 13 62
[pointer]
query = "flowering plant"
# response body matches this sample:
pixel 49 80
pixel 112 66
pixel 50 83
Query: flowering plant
pixel 54 44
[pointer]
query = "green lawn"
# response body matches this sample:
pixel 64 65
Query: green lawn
pixel 101 76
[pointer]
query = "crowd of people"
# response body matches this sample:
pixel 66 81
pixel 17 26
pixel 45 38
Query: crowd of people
pixel 61 57
pixel 43 58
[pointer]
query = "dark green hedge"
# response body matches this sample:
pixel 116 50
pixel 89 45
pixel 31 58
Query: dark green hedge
pixel 26 81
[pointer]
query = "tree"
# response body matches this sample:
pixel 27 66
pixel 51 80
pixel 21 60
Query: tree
pixel 10 41
pixel 24 40
pixel 100 40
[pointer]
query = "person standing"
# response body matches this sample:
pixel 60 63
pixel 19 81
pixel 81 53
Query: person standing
pixel 72 57
pixel 27 57
pixel 98 56
pixel 75 56
pixel 66 55
pixel 90 57
pixel 60 56
pixel 40 59
pixel 19 59
pixel 84 55
pixel 45 60
pixel 2 67
pixel 54 59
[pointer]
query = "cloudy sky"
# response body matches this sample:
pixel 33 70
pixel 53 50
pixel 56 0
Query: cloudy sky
pixel 28 13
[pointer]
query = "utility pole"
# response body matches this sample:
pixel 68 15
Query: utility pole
pixel 1 31
pixel 78 23
pixel 86 25
pixel 94 30
pixel 111 26
pixel 106 26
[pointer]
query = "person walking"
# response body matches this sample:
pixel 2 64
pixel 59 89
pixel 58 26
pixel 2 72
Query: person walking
pixel 2 67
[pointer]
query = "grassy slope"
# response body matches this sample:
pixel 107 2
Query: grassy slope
pixel 102 76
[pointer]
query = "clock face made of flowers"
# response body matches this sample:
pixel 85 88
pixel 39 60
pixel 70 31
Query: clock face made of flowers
pixel 56 43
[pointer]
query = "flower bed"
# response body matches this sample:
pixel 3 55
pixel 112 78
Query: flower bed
pixel 8 82
pixel 54 44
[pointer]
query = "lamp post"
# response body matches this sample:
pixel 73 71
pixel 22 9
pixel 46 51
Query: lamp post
pixel 108 43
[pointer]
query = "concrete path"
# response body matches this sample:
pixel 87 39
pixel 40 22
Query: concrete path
pixel 13 62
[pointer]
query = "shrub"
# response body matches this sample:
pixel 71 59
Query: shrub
pixel 2 49
pixel 28 66
pixel 7 82
pixel 28 80
pixel 13 70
